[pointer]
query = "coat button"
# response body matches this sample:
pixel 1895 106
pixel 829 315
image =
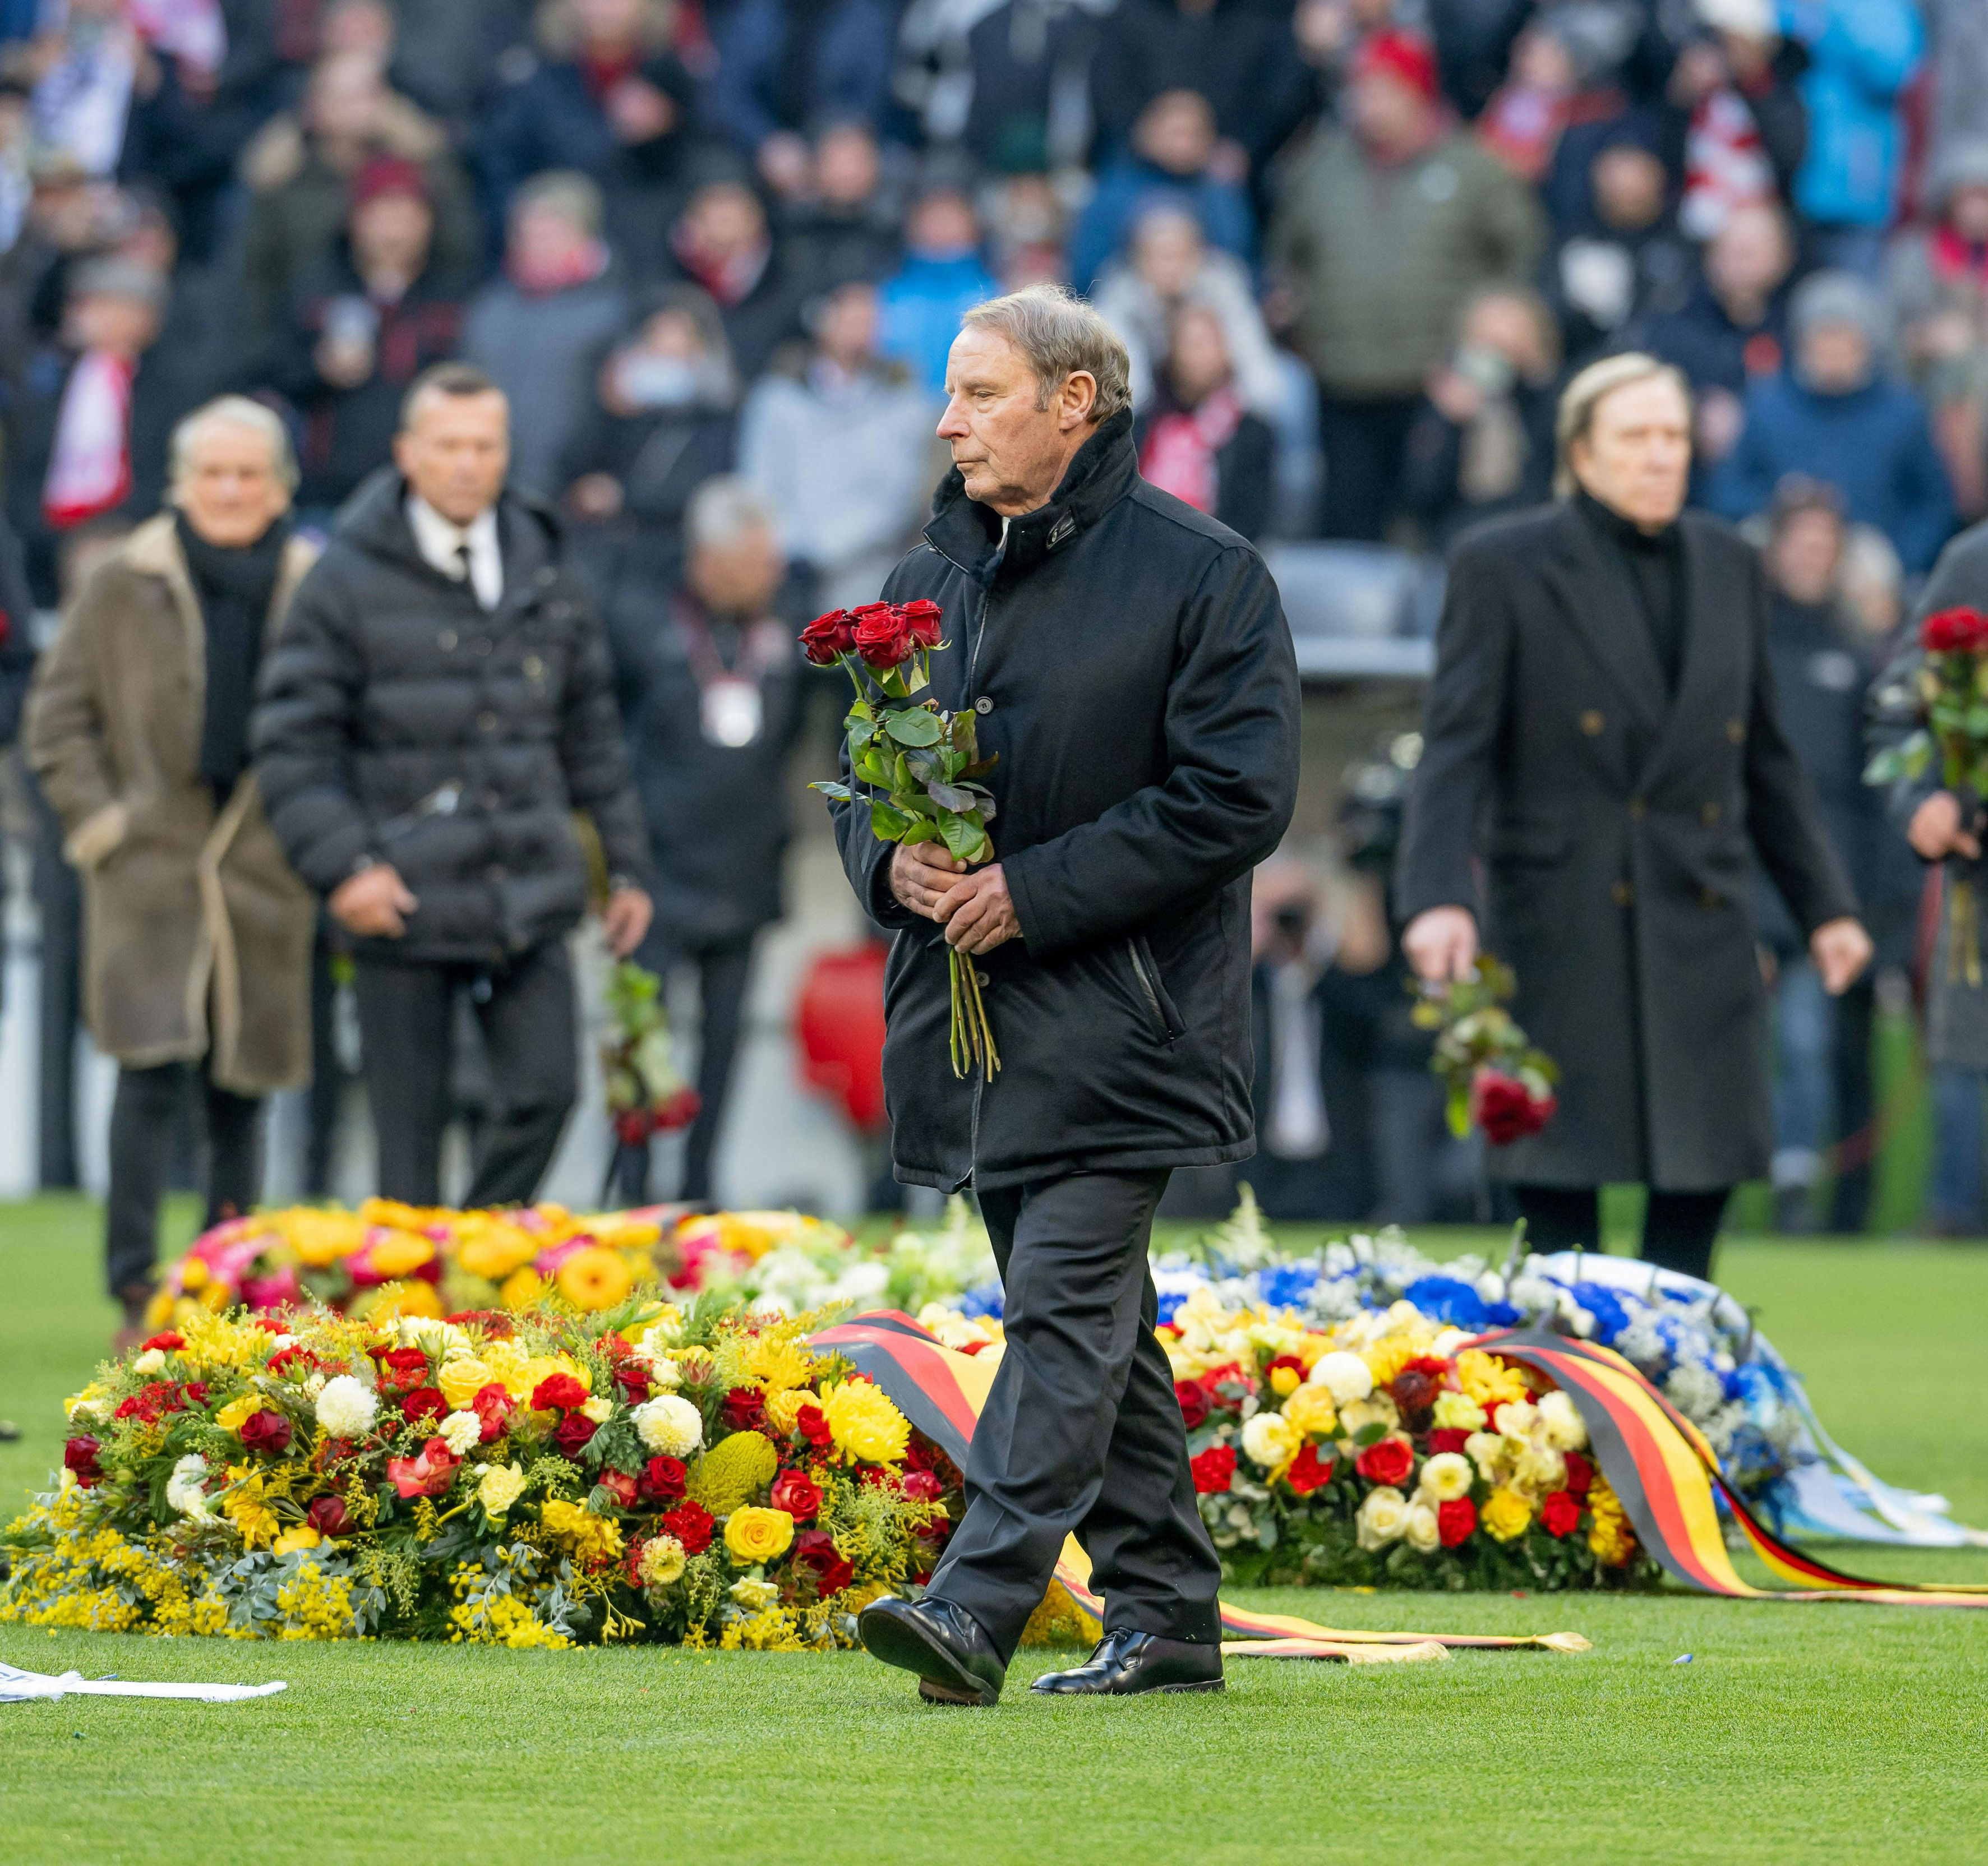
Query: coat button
pixel 446 639
pixel 983 706
pixel 1591 723
pixel 981 977
pixel 486 722
pixel 1622 893
pixel 1708 815
pixel 1736 730
pixel 1639 808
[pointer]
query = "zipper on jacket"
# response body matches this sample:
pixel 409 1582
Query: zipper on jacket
pixel 1147 985
pixel 440 802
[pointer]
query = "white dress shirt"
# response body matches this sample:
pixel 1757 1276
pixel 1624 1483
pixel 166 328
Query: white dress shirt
pixel 442 541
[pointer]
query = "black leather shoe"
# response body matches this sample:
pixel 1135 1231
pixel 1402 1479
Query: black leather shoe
pixel 955 1661
pixel 1128 1661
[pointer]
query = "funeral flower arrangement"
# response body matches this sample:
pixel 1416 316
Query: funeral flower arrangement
pixel 1492 1075
pixel 645 1473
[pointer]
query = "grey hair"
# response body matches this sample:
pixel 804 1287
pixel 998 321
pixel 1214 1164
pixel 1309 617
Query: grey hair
pixel 1587 391
pixel 573 197
pixel 234 411
pixel 1061 335
pixel 722 508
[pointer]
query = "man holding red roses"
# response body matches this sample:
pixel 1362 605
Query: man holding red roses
pixel 1133 682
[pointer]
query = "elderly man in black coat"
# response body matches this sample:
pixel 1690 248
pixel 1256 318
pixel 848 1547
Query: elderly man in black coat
pixel 1134 676
pixel 1601 736
pixel 439 705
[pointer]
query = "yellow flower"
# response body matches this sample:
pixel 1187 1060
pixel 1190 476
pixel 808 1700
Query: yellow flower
pixel 492 1247
pixel 595 1279
pixel 1270 1440
pixel 398 1254
pixel 864 1423
pixel 320 1238
pixel 1311 1410
pixel 1488 1380
pixel 1284 1381
pixel 1506 1514
pixel 1385 1359
pixel 245 1508
pixel 1457 1412
pixel 783 1407
pixel 1538 1471
pixel 416 1298
pixel 1609 1536
pixel 239 1411
pixel 501 1487
pixel 1378 1410
pixel 303 1537
pixel 600 1410
pixel 193 1274
pixel 521 1289
pixel 662 1561
pixel 755 1536
pixel 779 1365
pixel 733 1469
pixel 591 1538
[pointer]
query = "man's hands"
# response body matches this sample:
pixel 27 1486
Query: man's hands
pixel 1935 831
pixel 625 919
pixel 976 910
pixel 1441 944
pixel 1840 949
pixel 371 903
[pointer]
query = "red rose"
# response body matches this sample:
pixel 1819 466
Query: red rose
pixel 1296 1366
pixel 663 1479
pixel 427 1474
pixel 920 1486
pixel 691 1523
pixel 827 638
pixel 678 1110
pixel 882 638
pixel 402 1370
pixel 1505 1109
pixel 799 1495
pixel 1456 1521
pixel 1449 1439
pixel 556 1393
pixel 1954 631
pixel 634 1126
pixel 168 1343
pixel 744 1409
pixel 80 1455
pixel 328 1516
pixel 812 1423
pixel 1214 1470
pixel 1193 1397
pixel 1580 1474
pixel 1308 1472
pixel 493 1405
pixel 1560 1515
pixel 1386 1461
pixel 266 1431
pixel 632 1378
pixel 815 1553
pixel 284 1359
pixel 424 1403
pixel 572 1432
pixel 623 1487
pixel 923 620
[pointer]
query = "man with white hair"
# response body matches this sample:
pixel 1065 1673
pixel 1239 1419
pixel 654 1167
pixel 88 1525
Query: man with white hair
pixel 1130 676
pixel 199 933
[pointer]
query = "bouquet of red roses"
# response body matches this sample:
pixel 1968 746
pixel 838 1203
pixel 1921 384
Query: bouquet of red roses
pixel 645 1095
pixel 916 767
pixel 1495 1077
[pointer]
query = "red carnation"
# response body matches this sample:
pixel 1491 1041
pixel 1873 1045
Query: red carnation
pixel 827 638
pixel 328 1516
pixel 424 1403
pixel 1193 1397
pixel 663 1479
pixel 882 637
pixel 619 1484
pixel 1308 1472
pixel 1954 631
pixel 266 1431
pixel 1580 1474
pixel 799 1495
pixel 572 1432
pixel 402 1370
pixel 284 1359
pixel 493 1405
pixel 1386 1461
pixel 1560 1515
pixel 170 1342
pixel 691 1523
pixel 1214 1469
pixel 80 1455
pixel 427 1474
pixel 1449 1439
pixel 744 1409
pixel 1505 1109
pixel 923 619
pixel 812 1423
pixel 556 1393
pixel 1456 1521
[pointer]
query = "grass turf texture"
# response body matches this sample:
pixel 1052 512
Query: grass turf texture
pixel 1797 1732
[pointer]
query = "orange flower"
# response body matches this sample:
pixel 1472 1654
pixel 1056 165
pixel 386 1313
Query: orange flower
pixel 594 1278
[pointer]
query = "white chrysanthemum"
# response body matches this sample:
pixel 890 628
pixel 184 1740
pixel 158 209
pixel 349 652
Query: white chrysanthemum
pixel 1565 1429
pixel 184 1490
pixel 669 1425
pixel 1344 1375
pixel 459 1432
pixel 1424 1533
pixel 1447 1476
pixel 153 1360
pixel 1270 1440
pixel 1383 1517
pixel 347 1407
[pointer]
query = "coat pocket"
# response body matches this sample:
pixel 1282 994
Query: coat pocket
pixel 1160 1011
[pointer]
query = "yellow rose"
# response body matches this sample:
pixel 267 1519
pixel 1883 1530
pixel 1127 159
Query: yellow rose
pixel 1486 1451
pixel 303 1537
pixel 1424 1533
pixel 1271 1440
pixel 1283 1381
pixel 1457 1412
pixel 1311 1410
pixel 492 1247
pixel 600 1410
pixel 461 1381
pixel 591 1538
pixel 1506 1514
pixel 501 1487
pixel 239 1411
pixel 755 1536
pixel 1447 1476
pixel 1383 1518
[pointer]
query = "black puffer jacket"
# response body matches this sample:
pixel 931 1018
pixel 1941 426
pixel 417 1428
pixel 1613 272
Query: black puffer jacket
pixel 1133 671
pixel 397 719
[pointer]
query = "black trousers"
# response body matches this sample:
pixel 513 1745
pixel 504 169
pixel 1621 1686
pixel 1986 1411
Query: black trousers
pixel 1679 1229
pixel 1081 1431
pixel 406 1019
pixel 724 972
pixel 144 1127
pixel 1365 440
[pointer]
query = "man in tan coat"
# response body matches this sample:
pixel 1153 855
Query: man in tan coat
pixel 197 935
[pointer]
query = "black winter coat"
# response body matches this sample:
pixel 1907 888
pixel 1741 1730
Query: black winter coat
pixel 1133 673
pixel 1616 825
pixel 396 719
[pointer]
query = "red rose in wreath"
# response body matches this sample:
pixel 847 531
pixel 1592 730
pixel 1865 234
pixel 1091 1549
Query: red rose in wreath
pixel 1386 1461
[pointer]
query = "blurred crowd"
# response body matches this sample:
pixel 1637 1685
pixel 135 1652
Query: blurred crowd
pixel 1354 248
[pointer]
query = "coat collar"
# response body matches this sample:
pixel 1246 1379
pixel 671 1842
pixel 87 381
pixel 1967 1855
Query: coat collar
pixel 968 535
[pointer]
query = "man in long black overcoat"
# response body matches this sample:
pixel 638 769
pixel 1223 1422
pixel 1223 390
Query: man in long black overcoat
pixel 1601 752
pixel 1130 667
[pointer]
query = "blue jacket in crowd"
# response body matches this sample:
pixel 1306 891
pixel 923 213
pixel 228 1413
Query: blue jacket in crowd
pixel 921 306
pixel 1127 186
pixel 1861 52
pixel 1873 445
pixel 850 69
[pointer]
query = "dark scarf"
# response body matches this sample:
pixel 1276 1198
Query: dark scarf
pixel 234 588
pixel 1654 564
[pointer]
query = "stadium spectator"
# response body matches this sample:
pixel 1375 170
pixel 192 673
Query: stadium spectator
pixel 1172 153
pixel 538 332
pixel 1197 439
pixel 200 933
pixel 1957 65
pixel 721 242
pixel 1556 83
pixel 838 439
pixel 849 225
pixel 1832 414
pixel 440 705
pixel 362 327
pixel 710 682
pixel 1384 230
pixel 941 278
pixel 1735 118
pixel 299 171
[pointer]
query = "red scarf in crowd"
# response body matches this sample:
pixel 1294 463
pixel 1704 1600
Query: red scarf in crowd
pixel 1954 258
pixel 89 466
pixel 1179 454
